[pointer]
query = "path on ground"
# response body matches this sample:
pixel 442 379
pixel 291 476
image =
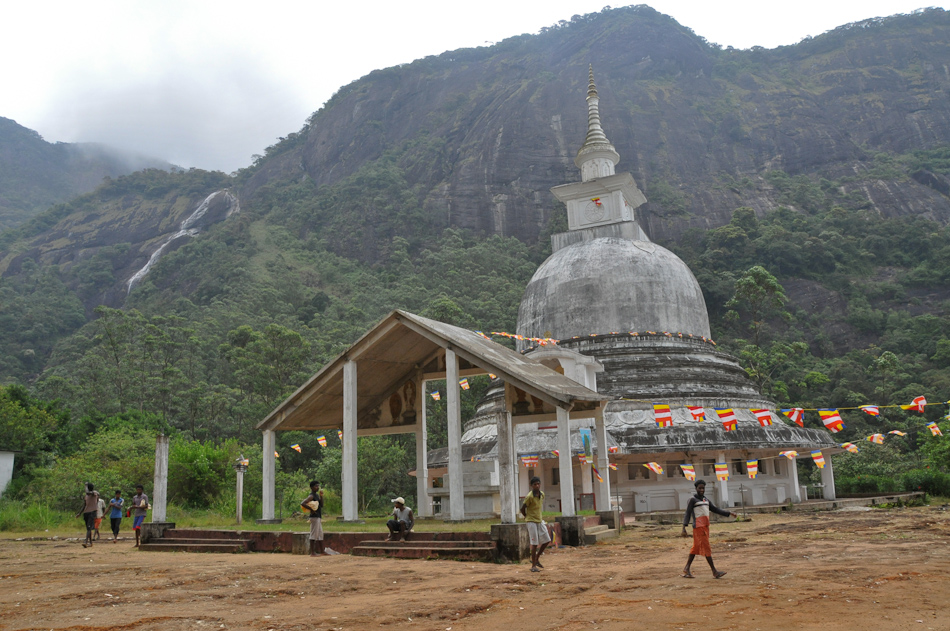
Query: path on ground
pixel 883 569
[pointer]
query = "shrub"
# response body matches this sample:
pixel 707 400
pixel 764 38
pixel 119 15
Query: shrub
pixel 927 480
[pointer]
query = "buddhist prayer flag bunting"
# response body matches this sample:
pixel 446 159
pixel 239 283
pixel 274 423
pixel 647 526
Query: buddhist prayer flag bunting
pixel 934 429
pixel 728 418
pixel 832 420
pixel 752 466
pixel 613 467
pixel 850 447
pixel 688 471
pixel 613 449
pixel 464 384
pixel 917 404
pixel 818 458
pixel 897 432
pixel 873 410
pixel 339 434
pixel 876 438
pixel 296 448
pixel 796 415
pixel 698 412
pixel 654 467
pixel 722 471
pixel 555 452
pixel 791 455
pixel 492 376
pixel 436 396
pixel 596 474
pixel 764 417
pixel 530 460
pixel 322 440
pixel 663 416
pixel 582 458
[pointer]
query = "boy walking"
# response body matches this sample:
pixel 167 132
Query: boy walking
pixel 314 504
pixel 139 509
pixel 698 511
pixel 90 504
pixel 100 513
pixel 537 532
pixel 115 514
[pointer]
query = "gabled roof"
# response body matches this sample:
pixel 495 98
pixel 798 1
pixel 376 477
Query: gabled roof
pixel 397 349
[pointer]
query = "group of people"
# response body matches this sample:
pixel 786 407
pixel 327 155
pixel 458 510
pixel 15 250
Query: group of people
pixel 94 508
pixel 401 522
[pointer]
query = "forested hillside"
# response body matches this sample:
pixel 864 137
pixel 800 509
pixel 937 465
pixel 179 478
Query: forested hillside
pixel 425 187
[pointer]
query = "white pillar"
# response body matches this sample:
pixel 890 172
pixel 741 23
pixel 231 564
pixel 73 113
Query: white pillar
pixel 239 493
pixel 422 454
pixel 160 488
pixel 828 480
pixel 269 474
pixel 454 412
pixel 723 485
pixel 507 475
pixel 350 504
pixel 565 463
pixel 603 464
pixel 793 474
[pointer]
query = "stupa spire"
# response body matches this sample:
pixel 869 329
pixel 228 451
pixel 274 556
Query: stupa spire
pixel 595 133
pixel 597 157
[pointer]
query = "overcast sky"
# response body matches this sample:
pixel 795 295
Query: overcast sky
pixel 207 84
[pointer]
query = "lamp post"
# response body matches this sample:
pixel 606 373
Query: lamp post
pixel 240 466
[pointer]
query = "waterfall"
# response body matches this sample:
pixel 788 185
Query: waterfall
pixel 184 230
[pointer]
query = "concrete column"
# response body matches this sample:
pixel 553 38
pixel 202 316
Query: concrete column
pixel 603 464
pixel 723 486
pixel 507 475
pixel 269 475
pixel 565 463
pixel 239 493
pixel 793 474
pixel 422 452
pixel 160 488
pixel 350 502
pixel 454 413
pixel 828 479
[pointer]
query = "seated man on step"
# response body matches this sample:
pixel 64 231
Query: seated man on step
pixel 401 523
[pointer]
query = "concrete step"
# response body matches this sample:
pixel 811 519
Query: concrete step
pixel 598 533
pixel 201 540
pixel 164 545
pixel 592 530
pixel 412 543
pixel 480 552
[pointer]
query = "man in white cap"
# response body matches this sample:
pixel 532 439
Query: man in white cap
pixel 401 523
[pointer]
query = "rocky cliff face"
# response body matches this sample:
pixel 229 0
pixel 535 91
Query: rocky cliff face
pixel 484 133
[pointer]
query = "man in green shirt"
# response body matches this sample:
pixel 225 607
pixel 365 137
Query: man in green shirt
pixel 537 530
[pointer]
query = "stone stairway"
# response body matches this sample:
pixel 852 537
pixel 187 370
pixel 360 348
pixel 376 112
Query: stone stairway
pixel 198 541
pixel 431 549
pixel 593 534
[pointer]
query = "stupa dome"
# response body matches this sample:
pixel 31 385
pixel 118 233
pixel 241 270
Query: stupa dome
pixel 612 284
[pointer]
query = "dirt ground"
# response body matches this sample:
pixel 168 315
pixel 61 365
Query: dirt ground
pixel 867 570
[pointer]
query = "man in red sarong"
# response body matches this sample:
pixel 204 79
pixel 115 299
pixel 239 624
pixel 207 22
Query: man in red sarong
pixel 698 511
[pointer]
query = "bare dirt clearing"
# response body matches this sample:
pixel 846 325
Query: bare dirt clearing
pixel 885 569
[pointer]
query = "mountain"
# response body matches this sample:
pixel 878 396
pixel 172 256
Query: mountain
pixel 426 187
pixel 35 174
pixel 482 134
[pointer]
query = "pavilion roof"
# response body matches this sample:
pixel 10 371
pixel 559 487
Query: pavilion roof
pixel 399 348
